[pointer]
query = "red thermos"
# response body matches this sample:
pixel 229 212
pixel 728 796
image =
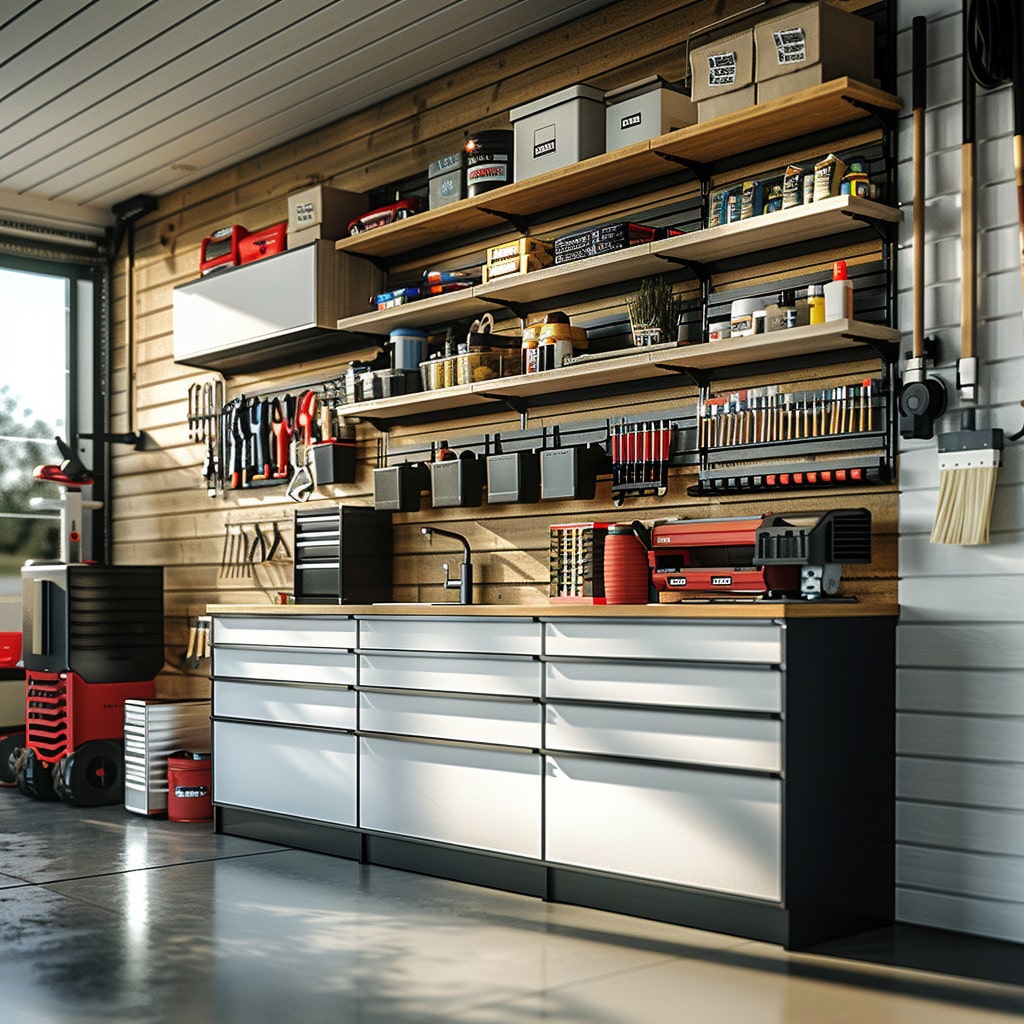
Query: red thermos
pixel 626 570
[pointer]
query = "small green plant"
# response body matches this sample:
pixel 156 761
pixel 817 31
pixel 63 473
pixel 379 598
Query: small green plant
pixel 654 311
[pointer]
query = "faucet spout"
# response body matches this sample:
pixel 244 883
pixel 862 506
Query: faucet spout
pixel 464 582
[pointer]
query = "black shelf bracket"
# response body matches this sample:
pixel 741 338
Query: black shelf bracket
pixel 886 351
pixel 699 378
pixel 886 118
pixel 701 171
pixel 699 270
pixel 885 231
pixel 518 308
pixel 521 224
pixel 379 262
pixel 135 440
pixel 517 405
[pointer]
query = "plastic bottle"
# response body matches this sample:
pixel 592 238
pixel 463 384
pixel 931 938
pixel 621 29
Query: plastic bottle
pixel 839 294
pixel 816 303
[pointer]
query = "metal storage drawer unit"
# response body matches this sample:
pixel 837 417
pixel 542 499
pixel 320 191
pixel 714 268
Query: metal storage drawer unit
pixel 458 673
pixel 335 632
pixel 433 635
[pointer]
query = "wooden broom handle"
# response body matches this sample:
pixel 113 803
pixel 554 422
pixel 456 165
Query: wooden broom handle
pixel 920 78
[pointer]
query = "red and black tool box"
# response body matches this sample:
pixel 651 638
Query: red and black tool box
pixel 221 249
pixel 267 242
pixel 578 245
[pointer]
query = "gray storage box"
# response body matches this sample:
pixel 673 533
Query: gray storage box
pixel 645 110
pixel 558 130
pixel 447 178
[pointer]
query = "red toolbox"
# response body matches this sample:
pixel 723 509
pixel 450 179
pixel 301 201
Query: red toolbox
pixel 267 242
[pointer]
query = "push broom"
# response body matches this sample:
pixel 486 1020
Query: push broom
pixel 969 458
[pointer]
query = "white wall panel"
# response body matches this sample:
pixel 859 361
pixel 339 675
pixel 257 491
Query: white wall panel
pixel 996 919
pixel 976 785
pixel 960 645
pixel 961 692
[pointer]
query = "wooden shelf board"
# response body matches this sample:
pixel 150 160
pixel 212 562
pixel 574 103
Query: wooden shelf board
pixel 436 309
pixel 798 224
pixel 416 403
pixel 594 272
pixel 796 341
pixel 634 366
pixel 810 110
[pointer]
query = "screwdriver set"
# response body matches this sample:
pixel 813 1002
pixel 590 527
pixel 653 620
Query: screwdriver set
pixel 640 457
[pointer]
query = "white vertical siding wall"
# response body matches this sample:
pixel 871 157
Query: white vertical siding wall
pixel 960 678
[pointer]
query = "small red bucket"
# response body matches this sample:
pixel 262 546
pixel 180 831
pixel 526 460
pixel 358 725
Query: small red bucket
pixel 189 787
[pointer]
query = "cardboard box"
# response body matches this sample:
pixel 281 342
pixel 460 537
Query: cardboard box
pixel 727 103
pixel 645 110
pixel 558 130
pixel 810 45
pixel 724 66
pixel 296 239
pixel 328 209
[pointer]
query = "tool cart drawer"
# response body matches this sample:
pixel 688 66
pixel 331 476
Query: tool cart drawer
pixel 711 640
pixel 512 723
pixel 449 635
pixel 671 684
pixel 326 707
pixel 468 796
pixel 335 631
pixel 327 667
pixel 723 741
pixel 706 829
pixel 299 772
pixel 457 673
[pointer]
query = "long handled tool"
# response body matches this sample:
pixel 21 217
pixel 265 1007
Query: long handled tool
pixel 922 397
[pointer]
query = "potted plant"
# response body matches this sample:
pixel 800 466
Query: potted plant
pixel 654 312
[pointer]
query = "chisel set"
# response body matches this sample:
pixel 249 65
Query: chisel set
pixel 764 415
pixel 640 457
pixel 766 439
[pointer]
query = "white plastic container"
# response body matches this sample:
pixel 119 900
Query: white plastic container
pixel 839 294
pixel 558 130
pixel 645 110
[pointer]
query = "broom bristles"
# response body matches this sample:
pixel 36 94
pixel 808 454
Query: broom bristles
pixel 967 487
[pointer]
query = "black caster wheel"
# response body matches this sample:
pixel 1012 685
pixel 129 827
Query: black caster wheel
pixel 34 778
pixel 93 775
pixel 10 745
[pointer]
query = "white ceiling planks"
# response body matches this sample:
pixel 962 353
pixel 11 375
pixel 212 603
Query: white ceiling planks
pixel 103 99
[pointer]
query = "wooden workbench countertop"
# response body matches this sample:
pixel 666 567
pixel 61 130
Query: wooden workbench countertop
pixel 689 609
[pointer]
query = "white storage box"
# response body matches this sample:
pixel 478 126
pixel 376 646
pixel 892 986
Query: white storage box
pixel 645 110
pixel 558 130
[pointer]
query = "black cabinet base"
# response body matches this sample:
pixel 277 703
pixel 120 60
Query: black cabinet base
pixel 732 915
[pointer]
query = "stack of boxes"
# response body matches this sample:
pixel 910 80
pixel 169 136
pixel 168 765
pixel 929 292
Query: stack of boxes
pixel 321 212
pixel 804 47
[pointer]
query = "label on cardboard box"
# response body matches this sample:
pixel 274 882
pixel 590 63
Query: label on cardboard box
pixel 722 69
pixel 791 45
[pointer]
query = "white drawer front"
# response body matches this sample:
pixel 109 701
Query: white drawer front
pixel 487 799
pixel 324 707
pixel 452 674
pixel 718 740
pixel 337 668
pixel 743 642
pixel 449 635
pixel 284 630
pixel 704 829
pixel 503 722
pixel 739 688
pixel 286 771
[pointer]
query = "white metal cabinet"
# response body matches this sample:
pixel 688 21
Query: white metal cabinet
pixel 299 772
pixel 710 830
pixel 476 797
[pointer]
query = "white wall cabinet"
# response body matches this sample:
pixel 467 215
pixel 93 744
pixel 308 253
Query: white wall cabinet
pixel 729 773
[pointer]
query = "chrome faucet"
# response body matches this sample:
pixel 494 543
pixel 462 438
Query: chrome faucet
pixel 464 583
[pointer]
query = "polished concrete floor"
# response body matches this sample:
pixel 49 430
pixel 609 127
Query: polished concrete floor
pixel 106 916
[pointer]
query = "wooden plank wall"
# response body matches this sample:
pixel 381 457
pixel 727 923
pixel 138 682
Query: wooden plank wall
pixel 960 689
pixel 161 512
